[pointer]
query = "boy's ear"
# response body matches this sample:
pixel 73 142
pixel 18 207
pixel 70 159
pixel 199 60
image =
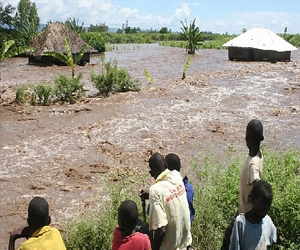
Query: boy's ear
pixel 251 198
pixel 49 221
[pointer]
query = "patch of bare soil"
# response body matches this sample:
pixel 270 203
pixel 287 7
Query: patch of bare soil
pixel 66 153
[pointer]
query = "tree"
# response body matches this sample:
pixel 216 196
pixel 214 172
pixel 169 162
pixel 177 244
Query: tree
pixel 73 24
pixel 164 30
pixel 6 18
pixel 27 21
pixel 101 27
pixel 192 34
pixel 68 59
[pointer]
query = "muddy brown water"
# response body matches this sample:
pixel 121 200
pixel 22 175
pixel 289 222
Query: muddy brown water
pixel 65 153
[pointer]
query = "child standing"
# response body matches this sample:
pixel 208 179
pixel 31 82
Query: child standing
pixel 255 229
pixel 125 237
pixel 250 173
pixel 252 168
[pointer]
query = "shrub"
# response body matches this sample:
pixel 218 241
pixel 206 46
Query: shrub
pixel 113 79
pixel 282 170
pixel 42 94
pixel 216 201
pixel 21 95
pixel 68 89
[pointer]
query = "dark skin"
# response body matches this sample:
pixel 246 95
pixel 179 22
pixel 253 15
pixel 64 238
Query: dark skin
pixel 261 206
pixel 23 232
pixel 253 146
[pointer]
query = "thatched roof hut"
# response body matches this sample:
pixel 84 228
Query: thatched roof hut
pixel 259 44
pixel 52 39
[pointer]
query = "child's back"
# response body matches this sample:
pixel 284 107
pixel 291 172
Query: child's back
pixel 125 237
pixel 138 241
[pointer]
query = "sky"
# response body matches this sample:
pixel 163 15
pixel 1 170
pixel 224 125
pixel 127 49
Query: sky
pixel 221 16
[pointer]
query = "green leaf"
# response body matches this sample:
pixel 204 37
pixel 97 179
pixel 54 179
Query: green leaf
pixel 63 58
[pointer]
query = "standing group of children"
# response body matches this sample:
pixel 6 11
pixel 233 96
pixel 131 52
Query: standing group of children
pixel 252 228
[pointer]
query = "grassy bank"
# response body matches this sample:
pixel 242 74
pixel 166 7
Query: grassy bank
pixel 216 199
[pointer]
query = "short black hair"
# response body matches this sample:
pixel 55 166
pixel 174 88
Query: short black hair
pixel 173 162
pixel 128 215
pixel 255 130
pixel 157 160
pixel 38 212
pixel 262 189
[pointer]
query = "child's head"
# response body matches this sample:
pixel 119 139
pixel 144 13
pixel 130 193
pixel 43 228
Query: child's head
pixel 38 213
pixel 157 165
pixel 261 196
pixel 127 217
pixel 173 162
pixel 254 133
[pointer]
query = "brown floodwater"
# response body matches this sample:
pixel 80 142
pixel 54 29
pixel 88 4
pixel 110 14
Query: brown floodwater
pixel 67 153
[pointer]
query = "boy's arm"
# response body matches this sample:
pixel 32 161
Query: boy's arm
pixel 22 232
pixel 158 238
pixel 235 237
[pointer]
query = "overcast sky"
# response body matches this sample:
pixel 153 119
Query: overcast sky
pixel 216 16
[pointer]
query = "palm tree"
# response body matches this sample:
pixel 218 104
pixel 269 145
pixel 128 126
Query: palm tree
pixel 68 57
pixel 192 34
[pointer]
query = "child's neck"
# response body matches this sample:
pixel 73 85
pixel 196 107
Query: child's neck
pixel 255 152
pixel 251 217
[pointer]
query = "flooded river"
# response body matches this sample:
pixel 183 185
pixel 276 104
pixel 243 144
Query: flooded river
pixel 64 152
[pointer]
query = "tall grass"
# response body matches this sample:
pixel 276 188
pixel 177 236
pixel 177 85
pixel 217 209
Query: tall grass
pixel 216 201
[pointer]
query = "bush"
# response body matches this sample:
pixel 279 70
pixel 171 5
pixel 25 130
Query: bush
pixel 95 231
pixel 216 198
pixel 21 95
pixel 94 39
pixel 216 201
pixel 114 80
pixel 282 170
pixel 42 94
pixel 68 89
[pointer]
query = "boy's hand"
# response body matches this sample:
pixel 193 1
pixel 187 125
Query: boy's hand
pixel 144 195
pixel 22 232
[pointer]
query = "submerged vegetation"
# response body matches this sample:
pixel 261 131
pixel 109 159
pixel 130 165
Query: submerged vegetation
pixel 69 89
pixel 215 182
pixel 113 79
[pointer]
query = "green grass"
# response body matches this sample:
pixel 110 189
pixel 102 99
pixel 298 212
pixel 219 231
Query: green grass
pixel 216 200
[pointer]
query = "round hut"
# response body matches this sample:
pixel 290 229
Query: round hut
pixel 52 40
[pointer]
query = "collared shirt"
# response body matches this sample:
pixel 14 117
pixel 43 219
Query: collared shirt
pixel 169 208
pixel 46 238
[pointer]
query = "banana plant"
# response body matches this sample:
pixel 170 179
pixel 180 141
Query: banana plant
pixel 148 76
pixel 186 66
pixel 68 57
pixel 192 34
pixel 6 51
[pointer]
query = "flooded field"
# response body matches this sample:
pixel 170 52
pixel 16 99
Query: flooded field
pixel 65 152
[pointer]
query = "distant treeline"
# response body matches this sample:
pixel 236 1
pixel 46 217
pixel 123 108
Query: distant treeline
pixel 174 39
